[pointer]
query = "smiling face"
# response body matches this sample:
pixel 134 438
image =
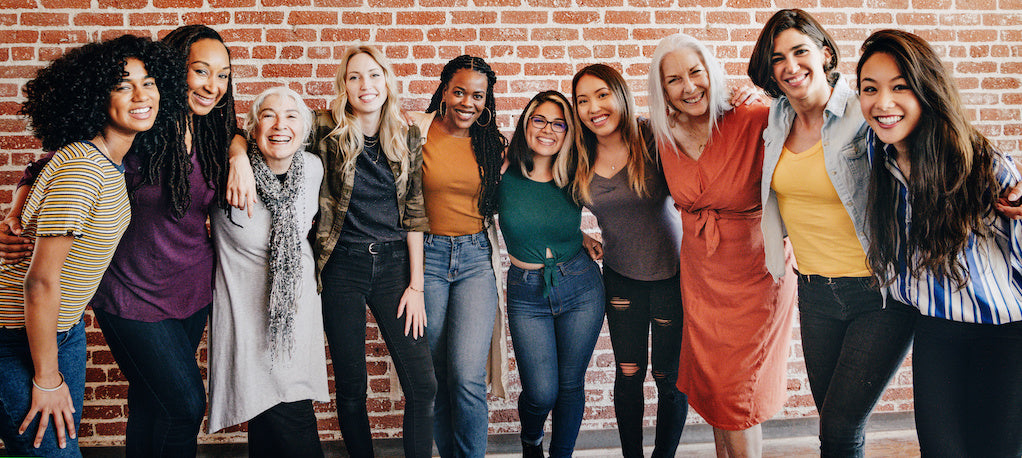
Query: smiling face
pixel 597 107
pixel 686 82
pixel 366 84
pixel 135 101
pixel 798 66
pixel 546 140
pixel 209 74
pixel 465 101
pixel 888 103
pixel 277 131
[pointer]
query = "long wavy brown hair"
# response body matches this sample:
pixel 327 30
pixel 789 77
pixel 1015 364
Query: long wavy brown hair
pixel 952 185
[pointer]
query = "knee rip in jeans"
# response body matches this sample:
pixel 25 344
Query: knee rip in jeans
pixel 620 303
pixel 660 375
pixel 663 322
pixel 628 369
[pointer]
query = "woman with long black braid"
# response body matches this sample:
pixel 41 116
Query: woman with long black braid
pixel 460 173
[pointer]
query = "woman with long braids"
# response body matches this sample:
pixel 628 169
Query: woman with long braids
pixel 153 302
pixel 938 245
pixel 618 178
pixel 93 106
pixel 813 192
pixel 461 162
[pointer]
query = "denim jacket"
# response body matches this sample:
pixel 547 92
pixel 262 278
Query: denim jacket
pixel 335 192
pixel 844 156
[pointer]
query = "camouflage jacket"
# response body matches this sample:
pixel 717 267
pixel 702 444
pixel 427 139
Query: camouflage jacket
pixel 335 192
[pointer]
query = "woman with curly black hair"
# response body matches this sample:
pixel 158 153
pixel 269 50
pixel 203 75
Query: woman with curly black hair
pixel 94 105
pixel 153 302
pixel 938 245
pixel 461 162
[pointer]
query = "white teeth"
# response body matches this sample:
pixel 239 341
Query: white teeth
pixel 205 101
pixel 888 120
pixel 465 115
pixel 367 98
pixel 279 138
pixel 140 110
pixel 796 79
pixel 599 119
pixel 545 141
pixel 694 100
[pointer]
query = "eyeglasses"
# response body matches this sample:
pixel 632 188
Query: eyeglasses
pixel 540 122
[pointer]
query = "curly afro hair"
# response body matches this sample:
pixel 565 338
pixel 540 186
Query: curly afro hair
pixel 68 100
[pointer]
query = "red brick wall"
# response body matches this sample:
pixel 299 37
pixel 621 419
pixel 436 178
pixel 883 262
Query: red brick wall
pixel 533 45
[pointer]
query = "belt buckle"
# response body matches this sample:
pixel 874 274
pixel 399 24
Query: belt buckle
pixel 373 247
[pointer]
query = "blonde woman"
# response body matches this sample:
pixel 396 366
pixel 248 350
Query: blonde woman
pixel 369 246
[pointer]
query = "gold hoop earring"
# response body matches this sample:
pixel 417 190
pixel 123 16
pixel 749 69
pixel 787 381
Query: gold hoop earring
pixel 443 109
pixel 488 120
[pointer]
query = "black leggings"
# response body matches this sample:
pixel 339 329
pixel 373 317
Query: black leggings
pixel 633 307
pixel 968 388
pixel 284 430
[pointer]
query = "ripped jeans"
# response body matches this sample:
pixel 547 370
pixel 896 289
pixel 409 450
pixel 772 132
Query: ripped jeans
pixel 634 308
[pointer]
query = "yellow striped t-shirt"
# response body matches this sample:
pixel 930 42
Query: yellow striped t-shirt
pixel 82 194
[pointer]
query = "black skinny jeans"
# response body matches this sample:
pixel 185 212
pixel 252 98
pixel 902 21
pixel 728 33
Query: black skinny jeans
pixel 353 278
pixel 635 307
pixel 968 388
pixel 852 346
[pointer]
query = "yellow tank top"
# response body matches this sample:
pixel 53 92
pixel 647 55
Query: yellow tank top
pixel 821 232
pixel 450 185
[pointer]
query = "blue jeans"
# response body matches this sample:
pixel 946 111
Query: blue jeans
pixel 968 388
pixel 353 278
pixel 461 305
pixel 16 391
pixel 554 338
pixel 166 397
pixel 852 346
pixel 636 309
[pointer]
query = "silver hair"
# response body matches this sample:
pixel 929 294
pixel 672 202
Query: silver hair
pixel 251 118
pixel 658 104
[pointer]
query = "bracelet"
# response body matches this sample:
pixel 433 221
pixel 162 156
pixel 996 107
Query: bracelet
pixel 49 390
pixel 413 289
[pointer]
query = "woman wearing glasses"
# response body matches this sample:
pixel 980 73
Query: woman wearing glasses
pixel 555 296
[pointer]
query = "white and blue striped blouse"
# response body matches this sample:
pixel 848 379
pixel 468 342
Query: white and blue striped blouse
pixel 993 293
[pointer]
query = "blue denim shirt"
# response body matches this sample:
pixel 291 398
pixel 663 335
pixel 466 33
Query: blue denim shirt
pixel 844 156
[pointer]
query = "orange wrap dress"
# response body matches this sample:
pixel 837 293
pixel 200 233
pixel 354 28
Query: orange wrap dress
pixel 737 327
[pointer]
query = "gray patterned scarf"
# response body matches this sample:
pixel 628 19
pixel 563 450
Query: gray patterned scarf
pixel 285 244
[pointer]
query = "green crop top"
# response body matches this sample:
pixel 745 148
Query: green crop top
pixel 535 216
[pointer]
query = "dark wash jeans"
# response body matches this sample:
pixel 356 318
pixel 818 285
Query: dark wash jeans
pixel 16 373
pixel 634 308
pixel 353 278
pixel 284 430
pixel 554 337
pixel 852 346
pixel 968 388
pixel 166 397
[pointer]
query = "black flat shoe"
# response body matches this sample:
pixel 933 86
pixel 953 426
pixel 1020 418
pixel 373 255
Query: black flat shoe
pixel 532 451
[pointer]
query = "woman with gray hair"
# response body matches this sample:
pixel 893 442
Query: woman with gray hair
pixel 267 357
pixel 734 345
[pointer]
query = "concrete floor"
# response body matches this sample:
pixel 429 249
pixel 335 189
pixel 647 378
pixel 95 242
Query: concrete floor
pixel 888 435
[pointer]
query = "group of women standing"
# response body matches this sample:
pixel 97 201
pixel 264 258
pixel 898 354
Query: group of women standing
pixel 703 211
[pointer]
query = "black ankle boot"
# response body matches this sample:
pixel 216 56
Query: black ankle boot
pixel 532 451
